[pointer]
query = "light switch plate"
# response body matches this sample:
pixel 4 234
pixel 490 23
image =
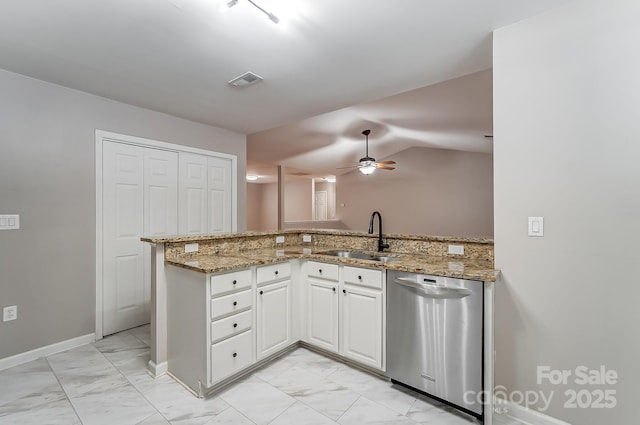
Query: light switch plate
pixel 9 222
pixel 191 247
pixel 279 239
pixel 536 226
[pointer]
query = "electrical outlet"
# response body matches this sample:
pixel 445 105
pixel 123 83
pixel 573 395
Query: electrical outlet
pixel 10 313
pixel 191 247
pixel 306 238
pixel 279 239
pixel 456 249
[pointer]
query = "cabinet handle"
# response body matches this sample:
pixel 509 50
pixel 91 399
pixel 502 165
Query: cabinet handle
pixel 334 289
pixel 235 354
pixel 319 271
pixel 359 277
pixel 235 325
pixel 261 292
pixel 235 303
pixel 276 272
pixel 234 281
pixel 344 291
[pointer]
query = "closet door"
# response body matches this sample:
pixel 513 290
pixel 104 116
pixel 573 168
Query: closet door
pixel 192 194
pixel 139 199
pixel 160 206
pixel 205 194
pixel 219 195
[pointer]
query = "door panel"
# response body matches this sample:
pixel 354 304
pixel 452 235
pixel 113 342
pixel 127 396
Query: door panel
pixel 160 206
pixel 123 268
pixel 219 196
pixel 362 326
pixel 192 194
pixel 323 314
pixel 274 317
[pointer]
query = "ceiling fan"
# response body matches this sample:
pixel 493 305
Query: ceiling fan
pixel 368 165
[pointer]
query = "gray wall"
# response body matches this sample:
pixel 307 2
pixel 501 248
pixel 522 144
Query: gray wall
pixel 431 192
pixel 567 123
pixel 47 175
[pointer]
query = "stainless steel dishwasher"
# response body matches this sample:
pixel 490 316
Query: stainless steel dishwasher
pixel 434 337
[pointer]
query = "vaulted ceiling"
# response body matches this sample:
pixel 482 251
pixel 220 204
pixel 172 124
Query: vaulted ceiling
pixel 176 56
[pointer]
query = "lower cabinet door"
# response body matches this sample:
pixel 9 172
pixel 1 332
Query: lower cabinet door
pixel 273 308
pixel 230 355
pixel 362 325
pixel 322 314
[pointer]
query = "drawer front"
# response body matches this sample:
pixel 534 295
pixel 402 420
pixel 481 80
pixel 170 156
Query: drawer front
pixel 322 270
pixel 228 282
pixel 363 277
pixel 273 272
pixel 230 356
pixel 231 303
pixel 223 328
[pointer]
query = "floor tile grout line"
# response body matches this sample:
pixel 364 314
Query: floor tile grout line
pixel 66 395
pixel 133 386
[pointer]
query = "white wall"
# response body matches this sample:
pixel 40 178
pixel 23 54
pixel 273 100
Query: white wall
pixel 431 192
pixel 298 195
pixel 567 125
pixel 47 175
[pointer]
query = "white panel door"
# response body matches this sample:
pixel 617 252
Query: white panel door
pixel 123 265
pixel 362 325
pixel 273 309
pixel 160 205
pixel 192 194
pixel 219 195
pixel 322 315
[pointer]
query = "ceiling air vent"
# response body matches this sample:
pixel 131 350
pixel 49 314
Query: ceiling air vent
pixel 245 79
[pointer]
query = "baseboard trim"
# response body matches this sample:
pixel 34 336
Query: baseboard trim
pixel 526 415
pixel 157 370
pixel 47 350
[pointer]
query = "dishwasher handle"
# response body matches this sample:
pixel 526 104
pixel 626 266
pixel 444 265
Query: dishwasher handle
pixel 433 291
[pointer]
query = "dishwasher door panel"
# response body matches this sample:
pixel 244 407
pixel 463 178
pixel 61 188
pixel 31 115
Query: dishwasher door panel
pixel 434 336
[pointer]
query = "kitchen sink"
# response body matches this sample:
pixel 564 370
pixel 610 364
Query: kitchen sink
pixel 359 255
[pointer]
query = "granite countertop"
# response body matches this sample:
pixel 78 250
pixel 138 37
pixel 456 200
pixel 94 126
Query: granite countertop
pixel 441 266
pixel 178 238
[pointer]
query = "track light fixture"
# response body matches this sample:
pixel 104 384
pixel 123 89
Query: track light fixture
pixel 226 5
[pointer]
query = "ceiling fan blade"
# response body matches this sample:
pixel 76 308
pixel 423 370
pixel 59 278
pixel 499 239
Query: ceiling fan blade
pixel 344 168
pixel 385 167
pixel 386 162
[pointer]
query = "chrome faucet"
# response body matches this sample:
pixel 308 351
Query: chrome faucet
pixel 381 244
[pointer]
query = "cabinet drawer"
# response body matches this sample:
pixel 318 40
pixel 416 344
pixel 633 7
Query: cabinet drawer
pixel 228 282
pixel 273 272
pixel 322 270
pixel 231 303
pixel 230 356
pixel 363 277
pixel 222 328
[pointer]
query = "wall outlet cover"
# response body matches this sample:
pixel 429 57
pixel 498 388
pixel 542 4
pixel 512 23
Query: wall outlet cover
pixel 10 313
pixel 306 238
pixel 191 247
pixel 279 239
pixel 456 249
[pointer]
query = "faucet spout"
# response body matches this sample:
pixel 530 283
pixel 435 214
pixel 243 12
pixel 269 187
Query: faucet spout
pixel 381 244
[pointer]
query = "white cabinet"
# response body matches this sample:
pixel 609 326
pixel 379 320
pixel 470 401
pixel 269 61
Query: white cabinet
pixel 273 308
pixel 209 326
pixel 322 305
pixel 362 325
pixel 346 311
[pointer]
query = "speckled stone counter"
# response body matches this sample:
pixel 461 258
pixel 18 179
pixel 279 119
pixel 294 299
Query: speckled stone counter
pixel 415 253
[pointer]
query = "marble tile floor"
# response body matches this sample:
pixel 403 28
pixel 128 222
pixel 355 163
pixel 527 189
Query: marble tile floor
pixel 106 383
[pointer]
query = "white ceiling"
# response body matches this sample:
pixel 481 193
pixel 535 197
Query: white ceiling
pixel 176 56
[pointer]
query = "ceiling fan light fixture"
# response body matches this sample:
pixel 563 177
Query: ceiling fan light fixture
pixel 367 167
pixel 226 5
